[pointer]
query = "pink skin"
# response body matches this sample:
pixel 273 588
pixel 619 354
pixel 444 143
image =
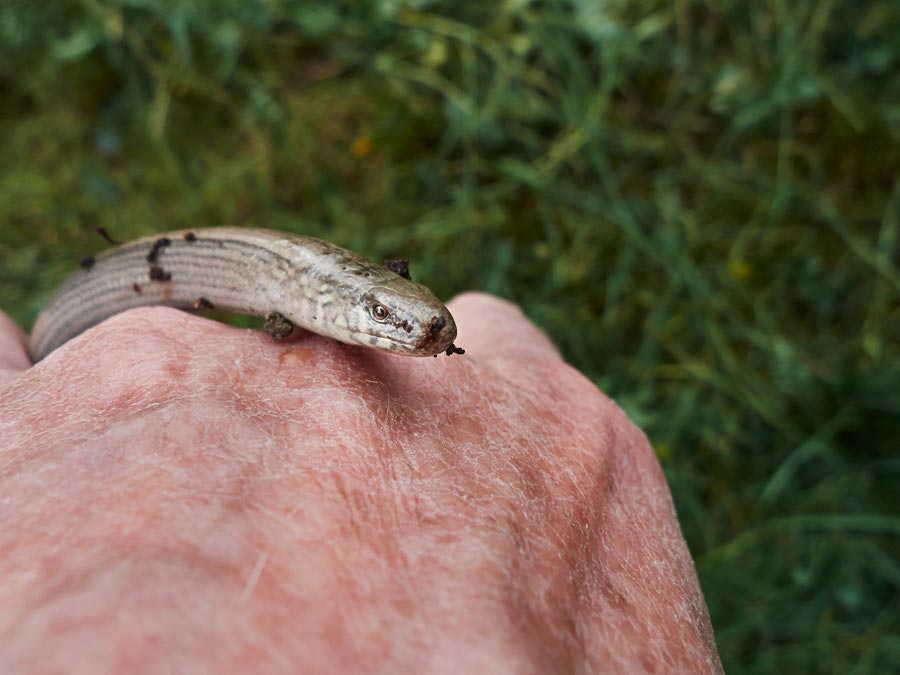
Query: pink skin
pixel 180 496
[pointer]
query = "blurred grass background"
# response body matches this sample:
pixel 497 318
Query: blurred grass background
pixel 697 199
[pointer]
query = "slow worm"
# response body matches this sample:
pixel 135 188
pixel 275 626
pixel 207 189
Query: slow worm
pixel 295 280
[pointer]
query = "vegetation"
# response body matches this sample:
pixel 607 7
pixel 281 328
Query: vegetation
pixel 697 199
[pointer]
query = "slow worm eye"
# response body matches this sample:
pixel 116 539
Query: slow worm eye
pixel 379 312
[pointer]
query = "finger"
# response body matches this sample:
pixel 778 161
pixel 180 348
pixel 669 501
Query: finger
pixel 13 355
pixel 488 325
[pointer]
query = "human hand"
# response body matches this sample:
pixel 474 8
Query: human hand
pixel 183 496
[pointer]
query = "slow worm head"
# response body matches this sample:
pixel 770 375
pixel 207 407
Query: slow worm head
pixel 312 283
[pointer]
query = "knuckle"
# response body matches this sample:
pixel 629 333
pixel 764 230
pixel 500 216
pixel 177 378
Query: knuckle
pixel 139 348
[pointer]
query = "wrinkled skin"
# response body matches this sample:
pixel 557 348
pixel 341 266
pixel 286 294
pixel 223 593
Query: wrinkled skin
pixel 182 496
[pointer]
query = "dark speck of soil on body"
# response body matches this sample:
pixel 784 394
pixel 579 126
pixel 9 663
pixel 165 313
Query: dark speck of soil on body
pixel 158 245
pixel 399 266
pixel 157 273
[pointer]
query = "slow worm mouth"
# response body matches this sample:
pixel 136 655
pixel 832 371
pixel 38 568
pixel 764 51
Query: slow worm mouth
pixel 439 333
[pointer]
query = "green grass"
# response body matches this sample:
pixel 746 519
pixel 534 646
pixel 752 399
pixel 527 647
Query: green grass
pixel 698 200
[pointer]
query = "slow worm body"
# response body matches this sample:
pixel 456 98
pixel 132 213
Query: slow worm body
pixel 311 283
